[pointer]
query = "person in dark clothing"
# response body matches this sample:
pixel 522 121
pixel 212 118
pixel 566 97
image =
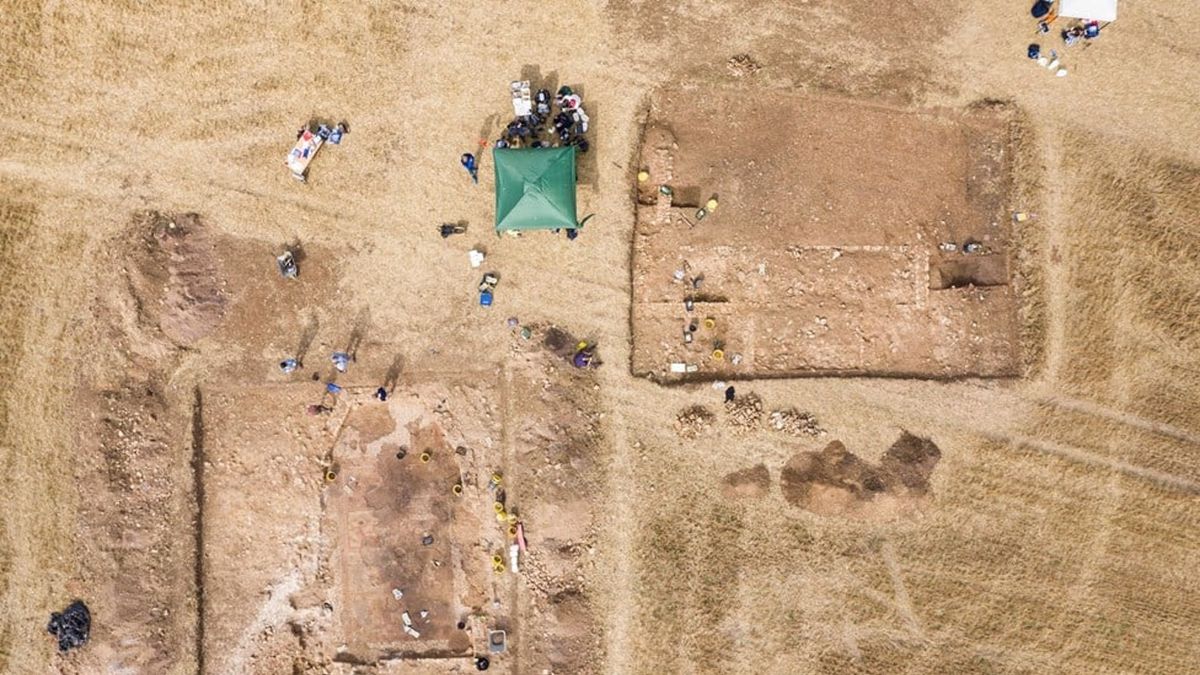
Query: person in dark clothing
pixel 729 394
pixel 381 393
pixel 583 357
pixel 448 229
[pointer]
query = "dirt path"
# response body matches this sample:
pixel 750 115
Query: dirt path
pixel 622 601
pixel 1122 417
pixel 1056 281
pixel 1092 458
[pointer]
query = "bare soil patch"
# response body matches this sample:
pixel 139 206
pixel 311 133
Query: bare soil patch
pixel 746 483
pixel 175 277
pixel 742 65
pixel 559 478
pixel 823 254
pixel 399 525
pixel 140 568
pixel 385 508
pixel 836 480
pixel 159 291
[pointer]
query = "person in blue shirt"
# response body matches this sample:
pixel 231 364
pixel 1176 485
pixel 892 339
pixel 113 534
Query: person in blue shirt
pixel 468 162
pixel 341 361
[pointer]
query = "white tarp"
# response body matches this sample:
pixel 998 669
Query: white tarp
pixel 522 98
pixel 1098 10
pixel 302 153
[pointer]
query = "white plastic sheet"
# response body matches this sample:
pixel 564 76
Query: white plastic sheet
pixel 1098 10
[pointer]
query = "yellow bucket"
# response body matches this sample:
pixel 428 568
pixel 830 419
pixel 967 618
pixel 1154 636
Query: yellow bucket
pixel 330 476
pixel 710 323
pixel 457 489
pixel 643 176
pixel 425 457
pixel 711 205
pixel 718 355
pixel 498 507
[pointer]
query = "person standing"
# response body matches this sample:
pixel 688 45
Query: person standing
pixel 341 361
pixel 468 162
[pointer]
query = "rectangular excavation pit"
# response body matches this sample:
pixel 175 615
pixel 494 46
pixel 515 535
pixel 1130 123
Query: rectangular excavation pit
pixel 828 241
pixel 975 270
pixel 314 530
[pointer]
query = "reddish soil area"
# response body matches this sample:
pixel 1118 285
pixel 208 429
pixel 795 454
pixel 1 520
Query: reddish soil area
pixel 837 244
pixel 395 518
pixel 752 482
pixel 355 519
pixel 836 480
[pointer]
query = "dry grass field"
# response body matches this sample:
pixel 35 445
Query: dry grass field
pixel 1056 528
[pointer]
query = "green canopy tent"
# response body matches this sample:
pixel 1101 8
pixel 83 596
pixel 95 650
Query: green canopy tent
pixel 535 188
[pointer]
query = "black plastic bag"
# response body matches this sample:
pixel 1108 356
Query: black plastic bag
pixel 71 626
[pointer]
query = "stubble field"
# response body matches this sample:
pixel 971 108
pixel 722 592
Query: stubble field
pixel 1055 531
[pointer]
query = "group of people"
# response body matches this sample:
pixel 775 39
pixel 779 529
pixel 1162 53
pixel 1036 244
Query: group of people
pixel 341 363
pixel 1086 31
pixel 1044 12
pixel 543 128
pixel 327 133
